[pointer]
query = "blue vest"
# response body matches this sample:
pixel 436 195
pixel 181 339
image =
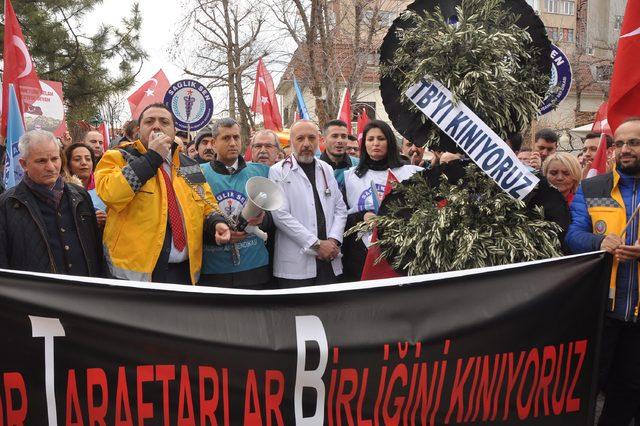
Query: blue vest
pixel 231 197
pixel 339 173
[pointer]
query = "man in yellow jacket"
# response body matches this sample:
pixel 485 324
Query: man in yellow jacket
pixel 159 206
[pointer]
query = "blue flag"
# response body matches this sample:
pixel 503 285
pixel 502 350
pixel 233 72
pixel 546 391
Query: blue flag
pixel 302 107
pixel 15 129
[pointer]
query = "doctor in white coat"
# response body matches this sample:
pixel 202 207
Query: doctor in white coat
pixel 310 224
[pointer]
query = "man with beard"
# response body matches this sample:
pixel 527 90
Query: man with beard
pixel 336 136
pixel 602 207
pixel 204 146
pixel 311 221
pixel 412 153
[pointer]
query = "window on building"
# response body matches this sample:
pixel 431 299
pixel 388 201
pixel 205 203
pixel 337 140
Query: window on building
pixel 551 6
pixel 567 7
pixel 567 35
pixel 535 4
pixel 562 7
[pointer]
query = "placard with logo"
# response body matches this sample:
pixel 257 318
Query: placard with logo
pixel 560 84
pixel 191 104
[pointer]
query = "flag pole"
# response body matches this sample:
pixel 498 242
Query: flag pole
pixel 626 227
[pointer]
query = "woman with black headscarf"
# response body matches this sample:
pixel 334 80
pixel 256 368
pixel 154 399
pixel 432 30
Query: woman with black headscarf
pixel 365 184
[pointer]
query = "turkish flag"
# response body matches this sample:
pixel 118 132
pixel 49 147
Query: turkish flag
pixel 382 269
pixel 624 94
pixel 19 69
pixel 363 119
pixel 599 164
pixel 105 136
pixel 601 124
pixel 264 99
pixel 151 92
pixel 345 109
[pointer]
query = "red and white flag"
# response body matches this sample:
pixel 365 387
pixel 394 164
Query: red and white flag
pixel 19 69
pixel 624 94
pixel 601 124
pixel 104 131
pixel 599 163
pixel 382 269
pixel 363 119
pixel 344 113
pixel 247 153
pixel 151 92
pixel 264 99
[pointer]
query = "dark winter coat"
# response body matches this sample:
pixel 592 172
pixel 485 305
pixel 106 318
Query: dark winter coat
pixel 24 239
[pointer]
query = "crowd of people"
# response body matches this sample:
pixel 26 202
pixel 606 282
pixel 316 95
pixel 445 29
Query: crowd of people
pixel 159 207
pixel 164 207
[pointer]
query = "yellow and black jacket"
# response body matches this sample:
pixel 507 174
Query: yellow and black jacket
pixel 127 180
pixel 603 205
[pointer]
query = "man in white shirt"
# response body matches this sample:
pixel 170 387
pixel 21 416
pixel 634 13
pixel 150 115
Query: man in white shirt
pixel 311 222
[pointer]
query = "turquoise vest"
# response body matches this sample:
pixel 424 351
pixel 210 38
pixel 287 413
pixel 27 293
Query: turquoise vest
pixel 231 197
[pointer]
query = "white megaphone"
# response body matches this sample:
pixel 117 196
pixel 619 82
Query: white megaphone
pixel 262 195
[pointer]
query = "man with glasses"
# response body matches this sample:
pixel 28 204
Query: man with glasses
pixel 265 147
pixel 600 211
pixel 353 147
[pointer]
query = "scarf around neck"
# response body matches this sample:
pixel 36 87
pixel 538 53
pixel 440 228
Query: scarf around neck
pixel 50 196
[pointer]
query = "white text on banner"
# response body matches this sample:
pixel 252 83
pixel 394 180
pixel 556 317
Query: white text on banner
pixel 480 143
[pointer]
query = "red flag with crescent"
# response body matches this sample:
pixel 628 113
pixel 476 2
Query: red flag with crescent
pixel 601 123
pixel 19 69
pixel 624 95
pixel 363 119
pixel 264 99
pixel 151 92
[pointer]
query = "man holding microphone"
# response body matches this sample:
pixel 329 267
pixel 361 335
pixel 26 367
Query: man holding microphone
pixel 159 206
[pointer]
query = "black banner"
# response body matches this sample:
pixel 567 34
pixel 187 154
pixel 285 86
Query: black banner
pixel 514 345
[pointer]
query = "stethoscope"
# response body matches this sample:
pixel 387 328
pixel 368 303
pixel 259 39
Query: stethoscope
pixel 289 161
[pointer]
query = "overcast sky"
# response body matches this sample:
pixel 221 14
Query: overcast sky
pixel 159 24
pixel 158 17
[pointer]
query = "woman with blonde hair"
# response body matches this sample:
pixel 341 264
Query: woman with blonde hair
pixel 563 172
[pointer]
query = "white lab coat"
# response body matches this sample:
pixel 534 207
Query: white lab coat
pixel 296 219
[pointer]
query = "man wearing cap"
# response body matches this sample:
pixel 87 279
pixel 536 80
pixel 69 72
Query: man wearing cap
pixel 159 206
pixel 245 262
pixel 204 146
